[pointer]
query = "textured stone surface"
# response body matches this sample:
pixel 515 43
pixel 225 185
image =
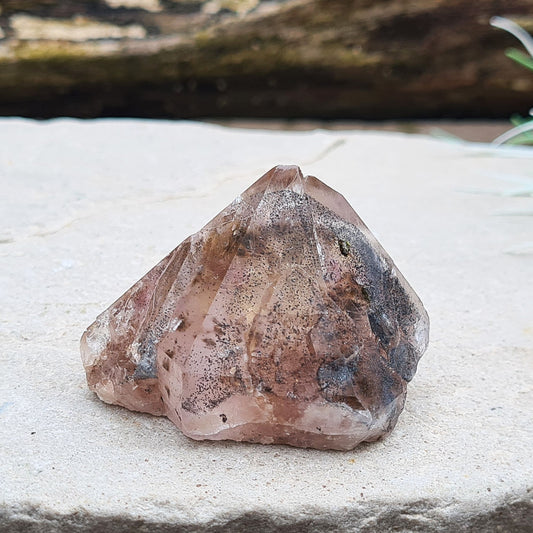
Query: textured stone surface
pixel 281 321
pixel 92 206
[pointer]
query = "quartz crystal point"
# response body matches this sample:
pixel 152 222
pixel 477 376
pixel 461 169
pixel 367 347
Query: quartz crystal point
pixel 282 321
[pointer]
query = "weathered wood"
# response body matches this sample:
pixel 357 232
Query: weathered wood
pixel 292 58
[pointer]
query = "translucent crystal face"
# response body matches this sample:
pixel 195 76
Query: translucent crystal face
pixel 282 321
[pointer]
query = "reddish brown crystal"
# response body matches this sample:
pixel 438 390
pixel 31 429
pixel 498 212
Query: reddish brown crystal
pixel 282 321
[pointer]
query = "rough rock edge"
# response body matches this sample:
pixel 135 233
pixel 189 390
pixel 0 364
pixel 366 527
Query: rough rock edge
pixel 514 514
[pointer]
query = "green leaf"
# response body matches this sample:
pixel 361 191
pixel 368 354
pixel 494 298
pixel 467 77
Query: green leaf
pixel 520 135
pixel 526 137
pixel 521 58
pixel 518 120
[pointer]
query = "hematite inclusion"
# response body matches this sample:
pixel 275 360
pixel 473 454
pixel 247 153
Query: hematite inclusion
pixel 282 321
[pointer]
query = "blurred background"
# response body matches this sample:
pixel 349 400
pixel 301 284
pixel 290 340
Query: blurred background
pixel 298 63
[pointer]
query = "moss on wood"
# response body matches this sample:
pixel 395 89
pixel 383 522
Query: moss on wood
pixel 295 58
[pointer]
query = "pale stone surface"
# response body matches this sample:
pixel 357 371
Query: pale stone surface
pixel 88 208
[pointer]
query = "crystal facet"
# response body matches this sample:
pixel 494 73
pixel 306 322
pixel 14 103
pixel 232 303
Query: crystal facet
pixel 282 321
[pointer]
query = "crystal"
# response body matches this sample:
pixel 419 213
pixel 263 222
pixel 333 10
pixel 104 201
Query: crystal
pixel 283 321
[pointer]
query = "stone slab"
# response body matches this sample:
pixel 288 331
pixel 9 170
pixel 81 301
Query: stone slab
pixel 88 207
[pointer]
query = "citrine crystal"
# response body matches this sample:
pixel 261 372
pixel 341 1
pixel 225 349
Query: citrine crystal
pixel 282 321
